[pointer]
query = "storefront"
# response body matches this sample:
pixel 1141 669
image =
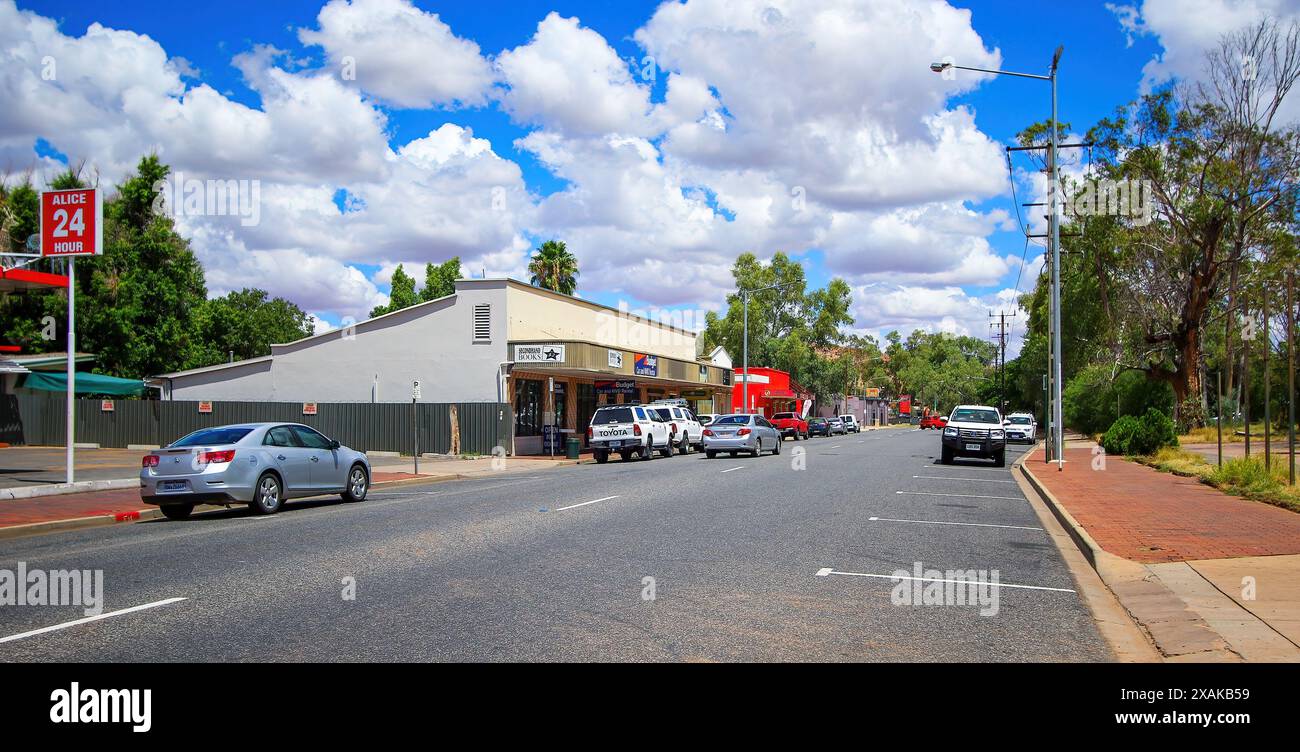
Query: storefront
pixel 562 383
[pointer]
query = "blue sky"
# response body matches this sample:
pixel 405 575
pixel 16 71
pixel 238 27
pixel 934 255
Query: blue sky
pixel 1103 67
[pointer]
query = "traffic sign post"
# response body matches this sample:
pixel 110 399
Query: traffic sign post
pixel 72 225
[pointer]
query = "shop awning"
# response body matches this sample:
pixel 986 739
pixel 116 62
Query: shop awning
pixel 86 383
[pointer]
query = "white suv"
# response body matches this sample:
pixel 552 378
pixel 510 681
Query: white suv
pixel 850 424
pixel 629 430
pixel 686 431
pixel 1021 427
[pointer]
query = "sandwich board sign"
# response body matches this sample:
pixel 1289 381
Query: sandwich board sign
pixel 72 222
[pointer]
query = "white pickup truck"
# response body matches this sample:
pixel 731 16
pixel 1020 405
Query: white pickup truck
pixel 629 430
pixel 687 432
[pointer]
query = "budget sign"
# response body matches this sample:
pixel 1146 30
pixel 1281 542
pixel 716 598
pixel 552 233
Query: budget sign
pixel 72 222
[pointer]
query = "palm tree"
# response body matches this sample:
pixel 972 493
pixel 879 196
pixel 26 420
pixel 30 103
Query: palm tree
pixel 554 268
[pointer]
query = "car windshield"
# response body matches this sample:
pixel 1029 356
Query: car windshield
pixel 973 415
pixel 732 420
pixel 612 415
pixel 782 416
pixel 213 436
pixel 1020 420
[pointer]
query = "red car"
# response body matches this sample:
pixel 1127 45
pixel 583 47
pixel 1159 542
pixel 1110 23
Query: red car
pixel 934 421
pixel 790 424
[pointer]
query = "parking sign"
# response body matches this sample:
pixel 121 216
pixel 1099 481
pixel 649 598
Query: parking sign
pixel 72 222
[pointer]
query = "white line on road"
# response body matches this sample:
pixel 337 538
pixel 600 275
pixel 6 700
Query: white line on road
pixel 738 467
pixel 825 571
pixel 585 503
pixel 962 496
pixel 964 524
pixel 976 480
pixel 89 619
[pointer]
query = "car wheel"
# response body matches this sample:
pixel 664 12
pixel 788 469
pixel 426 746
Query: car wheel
pixel 268 495
pixel 648 451
pixel 685 447
pixel 946 456
pixel 601 457
pixel 1000 459
pixel 710 453
pixel 358 484
pixel 627 456
pixel 177 511
pixel 667 449
pixel 777 448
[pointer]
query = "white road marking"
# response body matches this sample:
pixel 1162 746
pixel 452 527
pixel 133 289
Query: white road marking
pixel 585 503
pixel 976 480
pixel 964 524
pixel 89 619
pixel 962 496
pixel 730 469
pixel 826 571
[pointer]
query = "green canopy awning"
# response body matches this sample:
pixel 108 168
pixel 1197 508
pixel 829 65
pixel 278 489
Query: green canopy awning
pixel 86 383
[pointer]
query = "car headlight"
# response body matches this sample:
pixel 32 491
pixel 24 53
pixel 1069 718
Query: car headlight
pixel 996 433
pixel 949 432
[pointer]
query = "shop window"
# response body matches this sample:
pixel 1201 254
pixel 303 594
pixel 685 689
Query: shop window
pixel 528 407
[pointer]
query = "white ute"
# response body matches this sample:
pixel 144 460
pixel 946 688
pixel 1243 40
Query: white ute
pixel 629 430
pixel 686 430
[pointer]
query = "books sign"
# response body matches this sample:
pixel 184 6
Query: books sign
pixel 539 353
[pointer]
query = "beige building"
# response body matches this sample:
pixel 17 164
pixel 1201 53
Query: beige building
pixel 554 358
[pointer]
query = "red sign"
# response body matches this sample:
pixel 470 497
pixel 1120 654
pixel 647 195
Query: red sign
pixel 72 222
pixel 106 406
pixel 205 407
pixel 309 408
pixel 905 404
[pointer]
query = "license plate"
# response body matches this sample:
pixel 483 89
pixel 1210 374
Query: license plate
pixel 974 447
pixel 726 434
pixel 172 485
pixel 616 443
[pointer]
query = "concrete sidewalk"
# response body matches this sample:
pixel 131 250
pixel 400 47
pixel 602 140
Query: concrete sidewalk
pixel 1209 577
pixel 41 514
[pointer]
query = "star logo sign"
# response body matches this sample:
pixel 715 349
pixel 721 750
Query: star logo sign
pixel 551 353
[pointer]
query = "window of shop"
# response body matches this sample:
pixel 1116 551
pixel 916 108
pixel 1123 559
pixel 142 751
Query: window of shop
pixel 528 407
pixel 561 404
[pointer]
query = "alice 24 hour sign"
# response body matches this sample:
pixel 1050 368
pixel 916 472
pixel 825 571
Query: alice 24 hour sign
pixel 72 222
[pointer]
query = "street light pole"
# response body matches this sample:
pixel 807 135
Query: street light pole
pixel 1054 319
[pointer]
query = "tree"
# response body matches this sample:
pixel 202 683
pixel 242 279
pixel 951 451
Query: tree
pixel 440 280
pixel 554 268
pixel 245 324
pixel 401 293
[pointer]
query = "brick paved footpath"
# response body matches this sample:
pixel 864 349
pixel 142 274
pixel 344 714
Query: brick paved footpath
pixel 1148 516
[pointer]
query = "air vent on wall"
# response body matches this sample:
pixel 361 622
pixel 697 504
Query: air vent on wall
pixel 483 322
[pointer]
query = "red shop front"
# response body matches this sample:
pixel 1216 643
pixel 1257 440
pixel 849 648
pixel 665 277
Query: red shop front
pixel 770 391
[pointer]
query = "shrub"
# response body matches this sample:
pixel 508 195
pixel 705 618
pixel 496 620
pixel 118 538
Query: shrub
pixel 1091 398
pixel 1145 435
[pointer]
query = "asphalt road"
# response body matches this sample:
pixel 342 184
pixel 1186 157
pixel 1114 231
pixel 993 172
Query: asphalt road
pixel 520 567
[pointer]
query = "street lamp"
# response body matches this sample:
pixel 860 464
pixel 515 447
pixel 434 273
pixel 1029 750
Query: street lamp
pixel 1054 368
pixel 744 298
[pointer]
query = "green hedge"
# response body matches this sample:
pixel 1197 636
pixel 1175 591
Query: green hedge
pixel 1145 435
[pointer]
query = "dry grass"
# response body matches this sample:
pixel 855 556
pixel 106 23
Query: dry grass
pixel 1239 477
pixel 1210 434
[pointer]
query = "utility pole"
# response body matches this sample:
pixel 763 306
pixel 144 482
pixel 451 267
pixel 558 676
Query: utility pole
pixel 1001 338
pixel 1290 373
pixel 1268 413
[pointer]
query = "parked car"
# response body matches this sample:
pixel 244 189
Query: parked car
pixel 974 431
pixel 259 464
pixel 706 418
pixel 1021 427
pixel 790 424
pixel 934 421
pixel 819 427
pixel 685 431
pixel 741 433
pixel 850 424
pixel 628 430
pixel 836 426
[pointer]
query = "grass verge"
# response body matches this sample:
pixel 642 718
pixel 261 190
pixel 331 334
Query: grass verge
pixel 1240 477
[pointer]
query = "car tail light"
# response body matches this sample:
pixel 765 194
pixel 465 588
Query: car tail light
pixel 149 460
pixel 216 458
pixel 636 429
pixel 707 432
pixel 743 432
pixel 590 434
pixel 674 425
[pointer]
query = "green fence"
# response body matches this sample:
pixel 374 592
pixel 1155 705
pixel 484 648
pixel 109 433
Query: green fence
pixel 39 419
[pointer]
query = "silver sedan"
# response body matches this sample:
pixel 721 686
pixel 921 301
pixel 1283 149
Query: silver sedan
pixel 741 433
pixel 259 464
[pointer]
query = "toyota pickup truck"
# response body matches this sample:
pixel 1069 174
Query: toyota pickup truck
pixel 629 430
pixel 790 424
pixel 974 431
